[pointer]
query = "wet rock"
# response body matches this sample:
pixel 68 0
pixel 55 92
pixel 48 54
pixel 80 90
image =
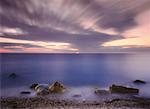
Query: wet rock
pixel 139 82
pixel 33 86
pixel 100 92
pixel 56 88
pixel 12 75
pixel 123 89
pixel 42 89
pixel 25 92
pixel 76 95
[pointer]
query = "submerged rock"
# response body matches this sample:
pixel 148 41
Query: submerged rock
pixel 33 86
pixel 42 89
pixel 139 82
pixel 101 92
pixel 123 89
pixel 25 92
pixel 56 88
pixel 76 95
pixel 13 75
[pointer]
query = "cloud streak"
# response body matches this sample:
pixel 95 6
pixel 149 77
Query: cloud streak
pixel 85 25
pixel 51 46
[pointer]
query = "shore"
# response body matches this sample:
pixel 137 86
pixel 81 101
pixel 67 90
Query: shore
pixel 45 103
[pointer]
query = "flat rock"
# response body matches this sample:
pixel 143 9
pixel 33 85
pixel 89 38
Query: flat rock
pixel 25 92
pixel 123 89
pixel 76 95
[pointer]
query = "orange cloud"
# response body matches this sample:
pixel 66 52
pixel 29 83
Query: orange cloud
pixel 141 42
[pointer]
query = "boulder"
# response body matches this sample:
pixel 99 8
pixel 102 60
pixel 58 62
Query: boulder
pixel 13 75
pixel 33 86
pixel 56 88
pixel 139 82
pixel 42 89
pixel 123 90
pixel 100 92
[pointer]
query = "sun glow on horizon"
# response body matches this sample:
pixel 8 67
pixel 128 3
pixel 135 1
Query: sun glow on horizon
pixel 40 45
pixel 129 42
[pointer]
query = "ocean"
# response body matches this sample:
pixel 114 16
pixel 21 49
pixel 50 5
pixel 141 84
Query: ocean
pixel 78 71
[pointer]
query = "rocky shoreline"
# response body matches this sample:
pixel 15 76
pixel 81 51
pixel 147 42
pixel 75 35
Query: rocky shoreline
pixel 46 103
pixel 42 102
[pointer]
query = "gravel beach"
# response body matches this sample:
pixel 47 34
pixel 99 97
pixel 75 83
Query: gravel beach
pixel 45 103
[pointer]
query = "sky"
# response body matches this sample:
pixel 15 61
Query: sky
pixel 74 26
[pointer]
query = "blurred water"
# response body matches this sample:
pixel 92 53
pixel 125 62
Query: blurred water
pixel 74 70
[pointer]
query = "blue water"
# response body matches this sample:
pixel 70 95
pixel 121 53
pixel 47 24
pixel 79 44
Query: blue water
pixel 74 70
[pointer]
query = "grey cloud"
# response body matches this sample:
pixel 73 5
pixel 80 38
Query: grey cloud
pixel 68 14
pixel 54 20
pixel 16 46
pixel 84 42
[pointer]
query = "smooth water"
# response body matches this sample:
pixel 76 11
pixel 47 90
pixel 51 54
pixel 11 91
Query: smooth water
pixel 74 70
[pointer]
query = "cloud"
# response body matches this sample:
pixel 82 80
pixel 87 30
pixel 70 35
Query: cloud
pixel 137 37
pixel 129 42
pixel 83 24
pixel 49 46
pixel 12 31
pixel 143 27
pixel 18 46
pixel 76 16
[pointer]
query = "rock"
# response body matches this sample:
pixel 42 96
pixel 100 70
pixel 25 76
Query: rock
pixel 100 92
pixel 13 75
pixel 56 88
pixel 139 82
pixel 25 92
pixel 33 86
pixel 42 89
pixel 76 95
pixel 123 90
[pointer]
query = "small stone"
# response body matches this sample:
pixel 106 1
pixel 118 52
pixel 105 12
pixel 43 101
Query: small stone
pixel 25 92
pixel 139 82
pixel 77 95
pixel 13 75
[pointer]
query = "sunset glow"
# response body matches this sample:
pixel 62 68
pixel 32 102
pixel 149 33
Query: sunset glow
pixel 129 42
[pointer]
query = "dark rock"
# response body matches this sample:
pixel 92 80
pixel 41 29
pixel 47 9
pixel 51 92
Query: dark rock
pixel 33 86
pixel 139 82
pixel 76 95
pixel 13 75
pixel 123 89
pixel 56 88
pixel 100 92
pixel 25 92
pixel 42 89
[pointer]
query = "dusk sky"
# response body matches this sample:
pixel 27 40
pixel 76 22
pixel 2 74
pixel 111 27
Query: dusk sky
pixel 74 26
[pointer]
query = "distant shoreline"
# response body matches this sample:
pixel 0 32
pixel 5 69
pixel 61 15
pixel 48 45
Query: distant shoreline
pixel 45 103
